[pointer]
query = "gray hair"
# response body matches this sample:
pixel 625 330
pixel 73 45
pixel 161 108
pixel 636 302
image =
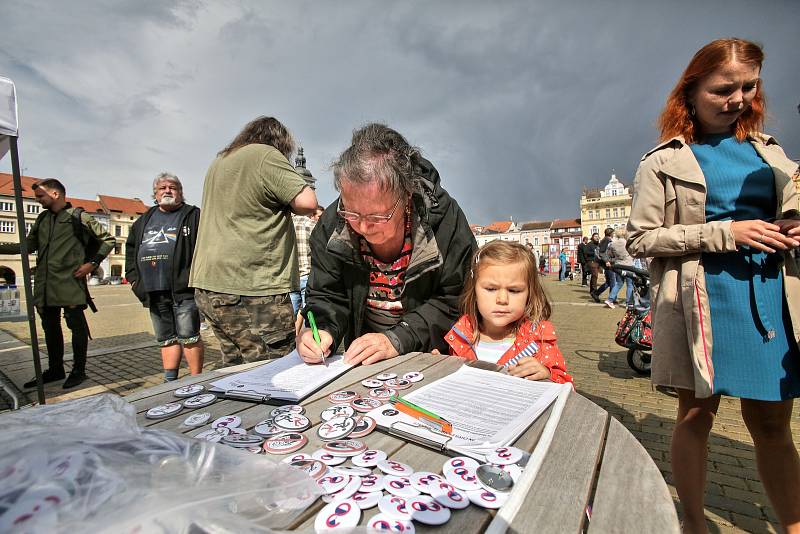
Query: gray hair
pixel 378 154
pixel 166 177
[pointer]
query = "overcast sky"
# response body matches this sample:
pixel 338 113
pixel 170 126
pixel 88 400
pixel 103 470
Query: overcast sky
pixel 518 104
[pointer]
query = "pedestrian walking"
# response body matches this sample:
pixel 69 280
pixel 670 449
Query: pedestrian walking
pixel 158 259
pixel 562 265
pixel 70 245
pixel 618 255
pixel 604 263
pixel 583 260
pixel 245 261
pixel 726 300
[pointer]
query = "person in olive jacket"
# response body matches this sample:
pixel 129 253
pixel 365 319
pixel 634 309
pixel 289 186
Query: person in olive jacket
pixel 158 258
pixel 60 277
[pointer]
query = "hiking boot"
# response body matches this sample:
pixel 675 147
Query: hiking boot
pixel 48 376
pixel 74 379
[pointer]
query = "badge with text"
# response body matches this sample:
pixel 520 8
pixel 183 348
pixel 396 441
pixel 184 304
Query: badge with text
pixel 314 468
pixel 505 455
pixel 487 499
pixel 372 483
pixel 365 404
pixel 382 393
pixel 367 500
pixel 327 458
pixel 424 481
pixel 397 383
pixel 386 376
pixel 285 443
pixel 413 376
pixel 394 506
pixel 342 397
pixel 345 447
pixel 400 486
pixel 371 383
pixel 463 478
pixel 268 428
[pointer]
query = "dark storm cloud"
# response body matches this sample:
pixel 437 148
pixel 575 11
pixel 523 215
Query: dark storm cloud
pixel 519 104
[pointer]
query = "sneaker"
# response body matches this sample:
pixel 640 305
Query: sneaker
pixel 48 376
pixel 594 296
pixel 73 380
pixel 610 304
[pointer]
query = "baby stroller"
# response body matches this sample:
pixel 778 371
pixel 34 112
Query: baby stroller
pixel 635 330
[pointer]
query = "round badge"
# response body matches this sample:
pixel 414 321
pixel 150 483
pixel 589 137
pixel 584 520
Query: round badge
pixel 189 391
pixel 369 458
pixel 243 441
pixel 450 496
pixel 343 397
pixel 426 510
pixel 285 443
pixel 400 486
pixel 397 383
pixel 505 456
pixel 268 428
pixel 346 492
pixel 336 428
pixel 382 393
pixel 229 421
pixel 371 383
pixel 332 483
pixel 353 471
pixel 463 478
pixel 390 467
pixel 388 523
pixel 494 478
pixel 372 484
pixel 364 425
pixel 365 404
pixel 165 410
pixel 390 412
pixel 413 376
pixel 423 481
pixel 291 421
pixel 295 457
pixel 327 458
pixel 340 410
pixel 34 509
pixel 513 469
pixel 345 447
pixel 394 506
pixel 197 419
pixel 460 461
pixel 210 435
pixel 366 500
pixel 232 430
pixel 314 468
pixel 386 376
pixel 338 516
pixel 200 401
pixel 289 408
pixel 487 499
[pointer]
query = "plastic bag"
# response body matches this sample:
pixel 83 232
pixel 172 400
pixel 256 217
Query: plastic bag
pixel 85 466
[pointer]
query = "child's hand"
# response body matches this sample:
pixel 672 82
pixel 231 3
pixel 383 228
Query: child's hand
pixel 530 368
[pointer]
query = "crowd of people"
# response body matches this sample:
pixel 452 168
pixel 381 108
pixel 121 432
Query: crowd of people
pixel 391 267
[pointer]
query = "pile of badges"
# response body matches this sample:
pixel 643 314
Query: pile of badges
pixel 193 398
pixel 402 495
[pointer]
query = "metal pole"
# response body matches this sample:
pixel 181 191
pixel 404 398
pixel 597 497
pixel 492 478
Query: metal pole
pixel 26 267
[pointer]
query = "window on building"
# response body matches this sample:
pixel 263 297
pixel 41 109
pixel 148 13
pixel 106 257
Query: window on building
pixel 117 248
pixel 117 231
pixel 595 230
pixel 616 213
pixel 536 241
pixel 6 206
pixel 7 227
pixel 596 214
pixel 28 227
pixel 33 208
pixel 608 213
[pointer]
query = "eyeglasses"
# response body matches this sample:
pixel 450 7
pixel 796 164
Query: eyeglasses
pixel 352 216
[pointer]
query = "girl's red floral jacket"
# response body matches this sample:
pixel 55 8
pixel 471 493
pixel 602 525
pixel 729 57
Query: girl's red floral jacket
pixel 536 340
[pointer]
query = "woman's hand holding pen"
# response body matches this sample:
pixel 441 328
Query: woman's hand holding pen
pixel 530 368
pixel 309 349
pixel 764 236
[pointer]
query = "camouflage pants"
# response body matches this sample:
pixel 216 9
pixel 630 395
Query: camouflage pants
pixel 249 329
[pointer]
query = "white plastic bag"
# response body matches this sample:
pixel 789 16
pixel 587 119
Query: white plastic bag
pixel 85 466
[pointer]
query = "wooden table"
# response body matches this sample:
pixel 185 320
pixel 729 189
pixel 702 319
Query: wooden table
pixel 592 461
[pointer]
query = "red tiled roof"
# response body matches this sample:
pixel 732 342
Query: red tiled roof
pixel 7 185
pixel 90 206
pixel 122 205
pixel 536 225
pixel 566 223
pixel 497 227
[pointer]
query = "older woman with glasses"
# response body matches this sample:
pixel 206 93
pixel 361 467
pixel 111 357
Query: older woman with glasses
pixel 389 259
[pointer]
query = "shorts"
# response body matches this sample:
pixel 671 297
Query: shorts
pixel 174 322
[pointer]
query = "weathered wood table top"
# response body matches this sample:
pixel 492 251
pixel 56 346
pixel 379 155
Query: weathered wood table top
pixel 592 461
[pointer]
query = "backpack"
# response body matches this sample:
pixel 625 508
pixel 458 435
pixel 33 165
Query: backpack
pixel 91 245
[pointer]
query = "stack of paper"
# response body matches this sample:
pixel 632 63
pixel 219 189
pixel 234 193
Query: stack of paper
pixel 288 378
pixel 487 409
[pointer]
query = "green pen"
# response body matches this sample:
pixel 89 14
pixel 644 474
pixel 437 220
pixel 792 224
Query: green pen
pixel 315 331
pixel 398 398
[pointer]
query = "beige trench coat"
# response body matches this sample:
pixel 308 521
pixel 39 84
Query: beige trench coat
pixel 668 224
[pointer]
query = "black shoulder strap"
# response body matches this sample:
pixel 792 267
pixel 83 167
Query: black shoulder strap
pixel 77 226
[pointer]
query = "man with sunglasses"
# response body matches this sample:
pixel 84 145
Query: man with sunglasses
pixel 390 257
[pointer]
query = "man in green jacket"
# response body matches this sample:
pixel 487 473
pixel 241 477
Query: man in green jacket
pixel 60 276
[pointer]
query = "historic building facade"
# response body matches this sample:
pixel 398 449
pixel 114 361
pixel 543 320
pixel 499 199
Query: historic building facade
pixel 607 207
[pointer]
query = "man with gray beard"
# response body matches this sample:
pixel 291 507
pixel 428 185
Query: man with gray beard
pixel 158 259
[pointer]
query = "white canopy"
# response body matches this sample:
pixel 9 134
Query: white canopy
pixel 8 114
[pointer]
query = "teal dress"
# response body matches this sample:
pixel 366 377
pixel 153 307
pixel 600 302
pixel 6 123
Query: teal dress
pixel 753 351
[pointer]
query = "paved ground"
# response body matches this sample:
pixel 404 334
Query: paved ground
pixel 124 358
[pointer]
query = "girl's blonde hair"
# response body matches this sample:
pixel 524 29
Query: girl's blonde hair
pixel 505 253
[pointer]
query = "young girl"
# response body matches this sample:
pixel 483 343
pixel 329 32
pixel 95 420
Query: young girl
pixel 505 312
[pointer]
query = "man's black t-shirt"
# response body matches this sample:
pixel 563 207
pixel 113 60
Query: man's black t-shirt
pixel 156 250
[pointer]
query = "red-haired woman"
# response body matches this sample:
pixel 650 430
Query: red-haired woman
pixel 715 207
